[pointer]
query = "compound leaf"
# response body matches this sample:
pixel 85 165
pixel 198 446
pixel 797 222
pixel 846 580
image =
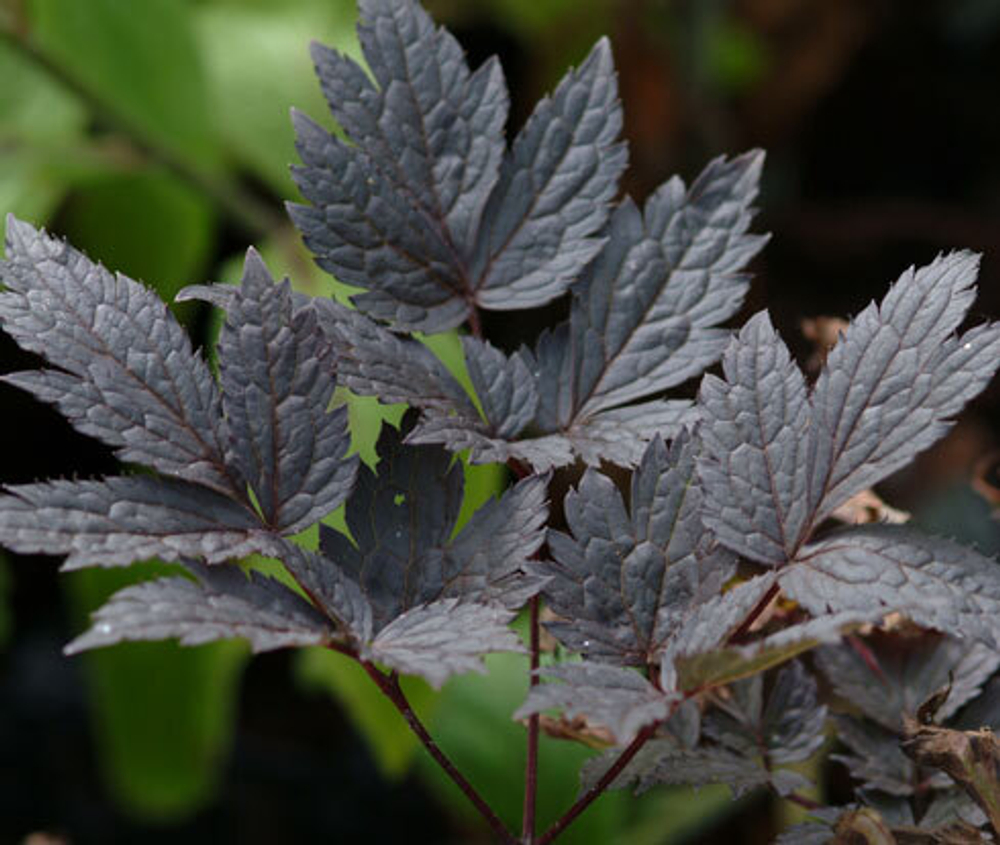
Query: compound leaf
pixel 754 464
pixel 785 724
pixel 875 757
pixel 402 521
pixel 895 377
pixel 505 387
pixel 331 590
pixel 444 638
pixel 776 462
pixel 489 558
pixel 744 735
pixel 541 222
pixel 373 361
pixel 369 234
pixel 429 143
pixel 888 677
pixel 883 569
pixel 222 604
pixel 276 370
pixel 640 322
pixel 435 128
pixel 644 310
pixel 120 520
pixel 663 762
pixel 643 319
pixel 626 579
pixel 131 377
pixel 426 210
pixel 621 699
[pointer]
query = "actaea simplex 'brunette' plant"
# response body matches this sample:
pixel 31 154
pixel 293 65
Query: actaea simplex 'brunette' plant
pixel 694 614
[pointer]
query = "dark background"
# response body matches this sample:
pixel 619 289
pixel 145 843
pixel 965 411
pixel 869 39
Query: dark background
pixel 146 132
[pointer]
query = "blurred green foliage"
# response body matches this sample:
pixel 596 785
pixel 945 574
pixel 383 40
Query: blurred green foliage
pixel 141 63
pixel 736 57
pixel 162 716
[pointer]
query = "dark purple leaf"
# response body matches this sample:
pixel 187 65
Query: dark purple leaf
pixel 621 699
pixel 627 578
pixel 224 603
pixel 881 569
pixel 444 638
pixel 131 377
pixel 120 520
pixel 542 223
pixel 276 370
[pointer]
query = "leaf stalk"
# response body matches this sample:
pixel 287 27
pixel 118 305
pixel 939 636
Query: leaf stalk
pixel 389 685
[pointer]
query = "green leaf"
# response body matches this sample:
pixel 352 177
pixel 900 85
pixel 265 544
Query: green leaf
pixel 163 716
pixel 257 65
pixel 736 55
pixel 39 123
pixel 30 187
pixel 532 19
pixel 146 224
pixel 372 714
pixel 142 64
pixel 32 105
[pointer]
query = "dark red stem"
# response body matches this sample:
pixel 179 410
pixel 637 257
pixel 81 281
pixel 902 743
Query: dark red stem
pixel 389 684
pixel 868 656
pixel 595 791
pixel 802 801
pixel 475 325
pixel 754 614
pixel 531 764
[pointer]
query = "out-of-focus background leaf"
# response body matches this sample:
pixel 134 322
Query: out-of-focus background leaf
pixel 161 715
pixel 155 135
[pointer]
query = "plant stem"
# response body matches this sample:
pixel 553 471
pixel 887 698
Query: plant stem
pixel 802 801
pixel 531 763
pixel 475 324
pixel 754 614
pixel 389 684
pixel 595 791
